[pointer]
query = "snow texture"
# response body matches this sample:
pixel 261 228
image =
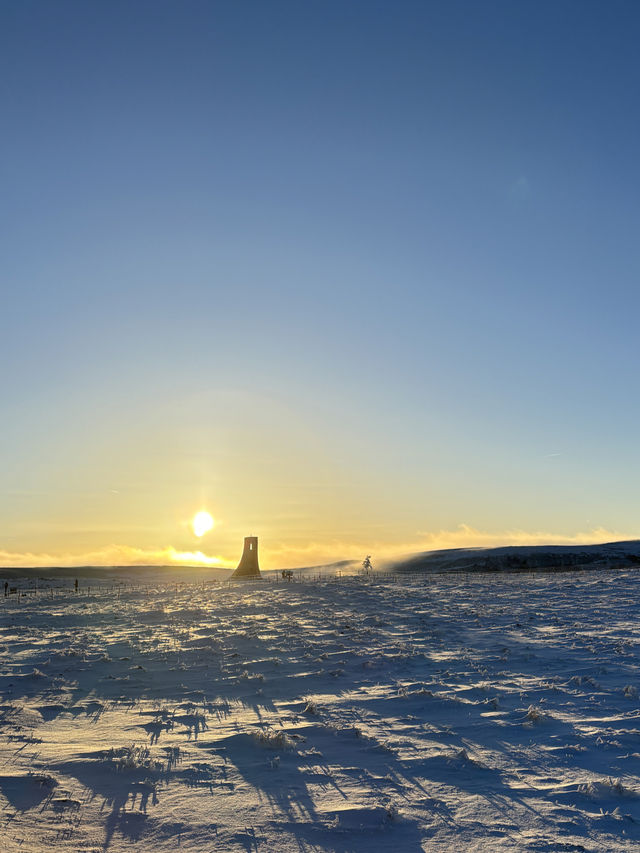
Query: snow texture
pixel 439 712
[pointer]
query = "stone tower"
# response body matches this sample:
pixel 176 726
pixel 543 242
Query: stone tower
pixel 248 566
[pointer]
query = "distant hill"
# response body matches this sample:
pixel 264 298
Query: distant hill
pixel 170 574
pixel 174 573
pixel 524 558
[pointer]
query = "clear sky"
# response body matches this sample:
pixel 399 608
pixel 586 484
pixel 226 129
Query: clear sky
pixel 355 277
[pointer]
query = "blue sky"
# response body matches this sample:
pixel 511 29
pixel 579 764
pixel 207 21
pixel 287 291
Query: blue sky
pixel 341 273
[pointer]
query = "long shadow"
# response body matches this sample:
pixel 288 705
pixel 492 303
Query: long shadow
pixel 460 773
pixel 156 728
pixel 399 834
pixel 130 825
pixel 27 792
pixel 118 789
pixel 273 774
pixel 51 712
pixel 204 775
pixel 284 778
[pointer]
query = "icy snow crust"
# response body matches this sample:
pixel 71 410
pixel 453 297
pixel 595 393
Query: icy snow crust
pixel 448 713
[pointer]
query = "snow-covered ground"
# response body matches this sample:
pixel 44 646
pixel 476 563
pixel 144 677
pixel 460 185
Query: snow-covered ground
pixel 444 713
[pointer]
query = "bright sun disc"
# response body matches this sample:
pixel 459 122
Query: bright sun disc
pixel 202 523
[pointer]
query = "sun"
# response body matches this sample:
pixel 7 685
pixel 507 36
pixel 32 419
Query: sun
pixel 202 523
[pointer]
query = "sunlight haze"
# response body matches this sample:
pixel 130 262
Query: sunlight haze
pixel 356 278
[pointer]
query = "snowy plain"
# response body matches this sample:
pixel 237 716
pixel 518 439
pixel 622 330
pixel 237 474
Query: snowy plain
pixel 423 713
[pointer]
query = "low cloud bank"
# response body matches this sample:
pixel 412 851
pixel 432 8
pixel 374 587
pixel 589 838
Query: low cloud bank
pixel 315 553
pixel 113 555
pixel 462 536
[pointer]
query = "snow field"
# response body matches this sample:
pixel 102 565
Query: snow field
pixel 448 713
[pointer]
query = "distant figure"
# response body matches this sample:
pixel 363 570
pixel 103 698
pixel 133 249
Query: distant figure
pixel 287 574
pixel 6 588
pixel 75 585
pixel 366 564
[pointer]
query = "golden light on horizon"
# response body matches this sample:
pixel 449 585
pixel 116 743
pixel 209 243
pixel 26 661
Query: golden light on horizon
pixel 202 523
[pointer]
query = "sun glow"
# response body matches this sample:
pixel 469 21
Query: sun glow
pixel 202 523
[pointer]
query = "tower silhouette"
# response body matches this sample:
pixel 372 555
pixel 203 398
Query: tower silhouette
pixel 248 566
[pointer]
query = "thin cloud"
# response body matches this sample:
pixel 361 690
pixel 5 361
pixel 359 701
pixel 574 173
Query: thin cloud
pixel 520 189
pixel 470 537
